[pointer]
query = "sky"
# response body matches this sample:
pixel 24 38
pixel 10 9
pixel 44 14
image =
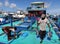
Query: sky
pixel 53 6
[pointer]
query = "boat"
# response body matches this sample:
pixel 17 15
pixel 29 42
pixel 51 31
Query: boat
pixel 37 8
pixel 19 14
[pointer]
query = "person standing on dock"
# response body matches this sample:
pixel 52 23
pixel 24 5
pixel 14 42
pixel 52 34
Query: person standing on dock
pixel 43 21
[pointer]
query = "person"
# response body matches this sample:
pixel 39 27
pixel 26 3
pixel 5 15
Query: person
pixel 42 23
pixel 8 31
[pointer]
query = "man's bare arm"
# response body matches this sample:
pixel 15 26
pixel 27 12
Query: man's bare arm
pixel 49 26
pixel 39 22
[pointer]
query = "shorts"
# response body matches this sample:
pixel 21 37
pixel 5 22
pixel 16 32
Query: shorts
pixel 42 34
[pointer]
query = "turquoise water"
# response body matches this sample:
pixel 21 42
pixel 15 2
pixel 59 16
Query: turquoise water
pixel 30 39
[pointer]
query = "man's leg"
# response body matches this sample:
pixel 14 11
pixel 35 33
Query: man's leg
pixel 42 35
pixel 9 36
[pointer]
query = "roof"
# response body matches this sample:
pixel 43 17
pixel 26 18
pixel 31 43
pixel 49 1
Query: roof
pixel 37 3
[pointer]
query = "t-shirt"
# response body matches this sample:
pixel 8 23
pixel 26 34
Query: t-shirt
pixel 43 24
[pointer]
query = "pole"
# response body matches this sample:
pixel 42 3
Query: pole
pixel 10 15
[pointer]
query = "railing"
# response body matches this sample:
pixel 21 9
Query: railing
pixel 30 8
